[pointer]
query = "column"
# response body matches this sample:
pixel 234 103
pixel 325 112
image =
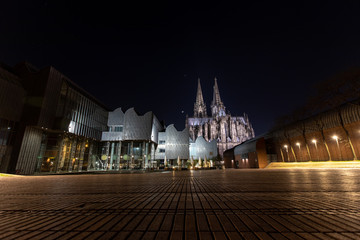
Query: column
pixel 119 155
pixel 132 154
pixel 147 155
pixel 111 155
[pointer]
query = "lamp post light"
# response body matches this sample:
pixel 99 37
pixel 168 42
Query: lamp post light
pixel 132 162
pixel 317 153
pixel 287 152
pixel 298 144
pixel 120 166
pixel 314 141
pixel 336 138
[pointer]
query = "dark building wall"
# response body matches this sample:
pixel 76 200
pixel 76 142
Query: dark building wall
pixel 12 96
pixel 60 124
pixel 262 156
pixel 50 101
pixel 254 153
pixel 42 92
pixel 246 155
pixel 35 83
pixel 11 104
pixel 332 135
pixel 354 134
pixel 229 158
pixel 29 151
pixel 246 160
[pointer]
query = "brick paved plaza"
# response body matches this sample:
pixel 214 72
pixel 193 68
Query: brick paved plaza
pixel 213 204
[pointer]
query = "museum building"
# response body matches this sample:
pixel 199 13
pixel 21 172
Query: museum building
pixel 129 142
pixel 60 124
pixel 49 124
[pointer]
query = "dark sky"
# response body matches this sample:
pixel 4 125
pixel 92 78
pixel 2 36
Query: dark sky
pixel 265 55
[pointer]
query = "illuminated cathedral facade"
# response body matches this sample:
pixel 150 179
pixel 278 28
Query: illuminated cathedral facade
pixel 227 130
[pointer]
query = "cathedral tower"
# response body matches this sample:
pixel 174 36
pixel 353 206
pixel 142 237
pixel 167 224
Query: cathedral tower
pixel 199 106
pixel 217 106
pixel 228 131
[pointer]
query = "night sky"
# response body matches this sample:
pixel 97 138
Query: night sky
pixel 266 56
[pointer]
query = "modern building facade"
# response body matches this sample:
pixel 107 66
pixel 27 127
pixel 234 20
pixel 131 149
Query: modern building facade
pixel 48 124
pixel 227 130
pixel 202 149
pixel 60 125
pixel 173 147
pixel 130 142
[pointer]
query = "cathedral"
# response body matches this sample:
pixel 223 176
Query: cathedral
pixel 228 130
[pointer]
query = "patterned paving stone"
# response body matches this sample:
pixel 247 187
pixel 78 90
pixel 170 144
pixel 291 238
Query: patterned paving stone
pixel 216 204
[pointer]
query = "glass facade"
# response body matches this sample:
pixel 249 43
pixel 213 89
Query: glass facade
pixel 74 145
pixel 80 115
pixel 68 153
pixel 126 155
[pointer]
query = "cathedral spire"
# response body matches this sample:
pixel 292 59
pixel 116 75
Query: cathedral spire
pixel 199 106
pixel 217 106
pixel 216 96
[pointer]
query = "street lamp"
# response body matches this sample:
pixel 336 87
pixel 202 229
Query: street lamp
pixel 298 144
pixel 317 153
pixel 120 166
pixel 287 152
pixel 132 162
pixel 337 143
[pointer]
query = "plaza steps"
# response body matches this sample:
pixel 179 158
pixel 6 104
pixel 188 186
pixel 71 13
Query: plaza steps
pixel 9 175
pixel 327 164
